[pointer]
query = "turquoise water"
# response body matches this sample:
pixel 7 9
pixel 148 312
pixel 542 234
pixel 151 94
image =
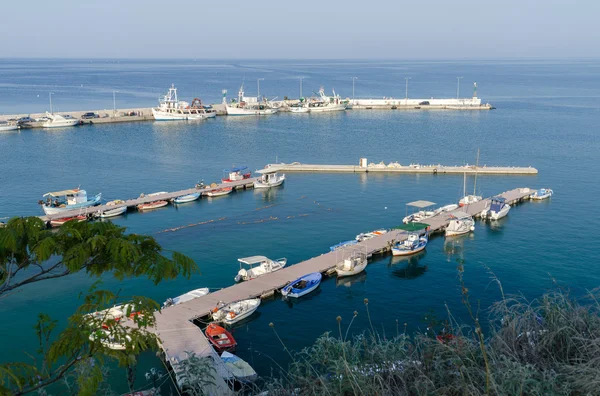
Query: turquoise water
pixel 547 117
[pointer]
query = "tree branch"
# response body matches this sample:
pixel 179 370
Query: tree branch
pixel 35 278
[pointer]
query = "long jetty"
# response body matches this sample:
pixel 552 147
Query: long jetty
pixel 130 203
pixel 178 334
pixel 395 167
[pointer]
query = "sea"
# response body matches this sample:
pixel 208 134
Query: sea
pixel 546 116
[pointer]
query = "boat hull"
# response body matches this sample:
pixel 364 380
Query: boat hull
pixel 166 116
pixel 50 210
pixel 186 198
pixel 328 108
pixel 112 212
pixel 61 124
pixel 219 193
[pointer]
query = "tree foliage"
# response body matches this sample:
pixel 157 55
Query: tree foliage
pixel 30 253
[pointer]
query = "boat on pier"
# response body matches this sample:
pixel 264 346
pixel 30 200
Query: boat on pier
pixel 152 205
pixel 236 173
pixel 236 311
pixel 460 223
pixel 66 200
pixel 186 198
pixel 259 265
pixel 353 265
pixel 302 285
pixel 497 209
pixel 107 213
pixel 172 109
pixel 192 294
pixel 411 245
pixel 270 178
pixel 219 192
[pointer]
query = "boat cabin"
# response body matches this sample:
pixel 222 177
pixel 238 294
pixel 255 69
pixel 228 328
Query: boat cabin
pixel 270 176
pixel 65 197
pixel 236 173
pixel 497 204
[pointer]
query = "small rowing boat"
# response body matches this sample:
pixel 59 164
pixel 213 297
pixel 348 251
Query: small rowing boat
pixel 302 285
pixel 152 205
pixel 219 192
pixel 541 194
pixel 186 198
pixel 112 212
pixel 370 235
pixel 60 222
pixel 221 339
pixel 238 369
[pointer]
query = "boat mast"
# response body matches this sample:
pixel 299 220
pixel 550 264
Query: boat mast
pixel 476 169
pixel 465 185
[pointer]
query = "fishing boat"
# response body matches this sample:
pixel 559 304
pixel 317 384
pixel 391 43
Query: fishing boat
pixel 248 105
pixel 302 285
pixel 460 223
pixel 221 339
pixel 58 121
pixel 172 109
pixel 238 369
pixel 62 201
pixel 189 296
pixel 186 198
pixel 112 212
pixel 236 311
pixel 8 126
pixel 236 174
pixel 60 222
pixel 370 235
pixel 270 178
pixel 424 213
pixel 259 265
pixel 326 103
pixel 355 264
pixel 498 209
pixel 343 244
pixel 301 107
pixel 110 340
pixel 218 192
pixel 152 205
pixel 411 245
pixel 541 194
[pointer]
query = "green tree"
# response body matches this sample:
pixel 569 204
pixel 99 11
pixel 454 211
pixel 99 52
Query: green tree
pixel 30 253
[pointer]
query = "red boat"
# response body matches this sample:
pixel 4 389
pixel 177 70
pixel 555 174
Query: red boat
pixel 221 339
pixel 59 222
pixel 236 174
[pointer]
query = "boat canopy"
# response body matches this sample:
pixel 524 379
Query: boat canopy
pixel 420 204
pixel 252 260
pixel 63 193
pixel 499 199
pixel 411 227
pixel 236 169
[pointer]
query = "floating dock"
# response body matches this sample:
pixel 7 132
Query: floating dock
pixel 178 334
pixel 395 167
pixel 131 203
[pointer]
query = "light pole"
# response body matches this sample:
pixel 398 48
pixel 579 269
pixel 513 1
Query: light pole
pixel 50 94
pixel 458 87
pixel 406 89
pixel 114 104
pixel 301 78
pixel 258 80
pixel 353 79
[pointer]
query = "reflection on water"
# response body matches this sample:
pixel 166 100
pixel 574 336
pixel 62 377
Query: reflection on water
pixel 348 281
pixel 269 194
pixel 291 302
pixel 408 267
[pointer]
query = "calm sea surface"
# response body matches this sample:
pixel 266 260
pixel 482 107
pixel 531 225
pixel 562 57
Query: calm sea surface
pixel 547 117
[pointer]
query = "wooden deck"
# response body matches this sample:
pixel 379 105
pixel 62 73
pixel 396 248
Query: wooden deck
pixel 132 203
pixel 174 324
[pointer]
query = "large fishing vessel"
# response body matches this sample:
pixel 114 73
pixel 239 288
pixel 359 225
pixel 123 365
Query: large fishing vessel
pixel 248 105
pixel 327 103
pixel 172 109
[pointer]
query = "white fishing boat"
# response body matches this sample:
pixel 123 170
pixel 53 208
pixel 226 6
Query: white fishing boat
pixel 189 296
pixel 355 264
pixel 172 109
pixel 58 121
pixel 300 107
pixel 541 194
pixel 460 223
pixel 236 311
pixel 411 245
pixel 270 178
pixel 258 266
pixel 8 126
pixel 62 201
pixel 110 340
pixel 424 213
pixel 106 213
pixel 238 369
pixel 218 192
pixel 248 105
pixel 186 198
pixel 497 209
pixel 370 235
pixel 327 103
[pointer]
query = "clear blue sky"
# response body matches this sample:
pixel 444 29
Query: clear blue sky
pixel 420 29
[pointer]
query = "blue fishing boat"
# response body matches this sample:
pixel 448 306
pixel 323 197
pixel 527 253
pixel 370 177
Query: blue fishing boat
pixel 413 244
pixel 303 285
pixel 343 244
pixel 541 194
pixel 62 201
pixel 186 198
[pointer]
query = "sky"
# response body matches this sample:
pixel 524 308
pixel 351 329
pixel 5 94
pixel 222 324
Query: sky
pixel 300 29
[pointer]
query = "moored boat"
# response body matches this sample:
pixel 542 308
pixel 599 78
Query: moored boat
pixel 218 192
pixel 186 198
pixel 112 212
pixel 236 311
pixel 411 245
pixel 259 265
pixel 302 285
pixel 238 369
pixel 541 194
pixel 8 126
pixel 60 222
pixel 248 105
pixel 497 209
pixel 326 103
pixel 172 109
pixel 221 339
pixel 110 340
pixel 58 121
pixel 355 264
pixel 460 223
pixel 370 235
pixel 270 178
pixel 62 201
pixel 152 205
pixel 236 174
pixel 191 295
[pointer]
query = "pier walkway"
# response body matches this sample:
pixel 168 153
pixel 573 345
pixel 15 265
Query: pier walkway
pixel 178 334
pixel 246 183
pixel 409 169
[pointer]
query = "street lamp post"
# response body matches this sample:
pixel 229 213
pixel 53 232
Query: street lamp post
pixel 258 80
pixel 50 94
pixel 353 79
pixel 458 87
pixel 114 104
pixel 301 78
pixel 406 89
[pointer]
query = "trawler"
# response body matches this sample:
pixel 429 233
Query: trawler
pixel 172 109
